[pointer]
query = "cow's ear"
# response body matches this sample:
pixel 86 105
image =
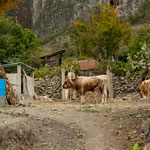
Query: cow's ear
pixel 74 79
pixel 67 78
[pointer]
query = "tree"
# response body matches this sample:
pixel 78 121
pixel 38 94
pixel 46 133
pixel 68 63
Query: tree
pixel 101 35
pixel 16 43
pixel 6 5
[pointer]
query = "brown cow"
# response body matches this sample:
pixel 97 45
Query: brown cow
pixel 85 84
pixel 145 88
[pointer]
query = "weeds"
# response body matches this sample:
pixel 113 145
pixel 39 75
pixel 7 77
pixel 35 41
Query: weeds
pixel 90 110
pixel 135 147
pixel 87 109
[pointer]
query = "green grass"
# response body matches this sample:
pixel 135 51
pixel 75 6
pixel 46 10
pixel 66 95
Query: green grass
pixel 65 31
pixel 89 110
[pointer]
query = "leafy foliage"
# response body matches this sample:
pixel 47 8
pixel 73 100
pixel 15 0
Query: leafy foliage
pixel 70 65
pixel 16 43
pixel 102 34
pixel 142 14
pixel 138 61
pixel 141 36
pixel 6 5
pixel 47 71
pixel 117 67
pixel 135 147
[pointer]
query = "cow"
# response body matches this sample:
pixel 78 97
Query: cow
pixel 85 84
pixel 145 88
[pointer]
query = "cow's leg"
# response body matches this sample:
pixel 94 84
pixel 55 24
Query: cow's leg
pixel 102 97
pixel 82 99
pixel 105 94
pixel 82 96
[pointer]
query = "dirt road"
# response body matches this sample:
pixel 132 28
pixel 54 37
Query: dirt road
pixel 47 125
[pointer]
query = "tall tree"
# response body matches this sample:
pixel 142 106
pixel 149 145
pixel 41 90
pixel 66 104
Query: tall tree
pixel 102 33
pixel 16 43
pixel 6 5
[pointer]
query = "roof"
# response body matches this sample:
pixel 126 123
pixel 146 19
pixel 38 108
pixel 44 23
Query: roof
pixel 17 64
pixel 53 54
pixel 86 64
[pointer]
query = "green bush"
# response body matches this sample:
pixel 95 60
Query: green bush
pixel 117 67
pixel 142 14
pixel 47 71
pixel 141 37
pixel 70 64
pixel 82 57
pixel 66 44
pixel 135 147
pixel 138 61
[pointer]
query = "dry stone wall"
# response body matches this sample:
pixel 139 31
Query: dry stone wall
pixel 122 86
pixel 45 86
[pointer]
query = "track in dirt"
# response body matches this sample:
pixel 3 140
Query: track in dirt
pixel 39 134
pixel 62 126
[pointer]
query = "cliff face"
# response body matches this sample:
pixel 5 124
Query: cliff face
pixel 50 16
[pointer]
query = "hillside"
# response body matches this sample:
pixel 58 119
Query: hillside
pixel 51 16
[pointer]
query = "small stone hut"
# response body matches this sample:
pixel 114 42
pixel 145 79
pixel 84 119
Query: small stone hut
pixel 21 77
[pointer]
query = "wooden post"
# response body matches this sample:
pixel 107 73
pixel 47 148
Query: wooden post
pixel 32 74
pixel 63 80
pixel 18 88
pixel 110 84
pixel 71 75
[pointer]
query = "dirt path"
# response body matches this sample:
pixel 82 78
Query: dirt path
pixel 68 126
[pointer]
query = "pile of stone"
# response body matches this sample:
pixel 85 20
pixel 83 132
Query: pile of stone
pixel 46 86
pixel 123 85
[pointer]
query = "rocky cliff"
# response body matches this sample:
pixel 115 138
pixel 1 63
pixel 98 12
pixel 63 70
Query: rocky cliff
pixel 50 16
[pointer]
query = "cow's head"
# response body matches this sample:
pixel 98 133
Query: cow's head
pixel 68 83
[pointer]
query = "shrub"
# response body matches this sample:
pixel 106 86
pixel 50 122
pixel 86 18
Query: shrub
pixel 142 14
pixel 135 147
pixel 70 64
pixel 138 61
pixel 117 67
pixel 47 71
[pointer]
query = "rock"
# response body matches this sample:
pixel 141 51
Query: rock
pixel 91 106
pixel 53 109
pixel 45 87
pixel 147 147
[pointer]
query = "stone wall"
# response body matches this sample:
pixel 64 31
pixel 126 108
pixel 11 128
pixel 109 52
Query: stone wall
pixel 121 86
pixel 45 86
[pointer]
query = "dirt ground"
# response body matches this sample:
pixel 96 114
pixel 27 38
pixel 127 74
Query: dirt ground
pixel 49 125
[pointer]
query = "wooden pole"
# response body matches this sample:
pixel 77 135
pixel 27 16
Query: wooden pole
pixel 110 84
pixel 19 80
pixel 63 80
pixel 55 90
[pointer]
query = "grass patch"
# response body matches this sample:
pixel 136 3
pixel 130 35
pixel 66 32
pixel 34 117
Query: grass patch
pixel 89 110
pixel 65 31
